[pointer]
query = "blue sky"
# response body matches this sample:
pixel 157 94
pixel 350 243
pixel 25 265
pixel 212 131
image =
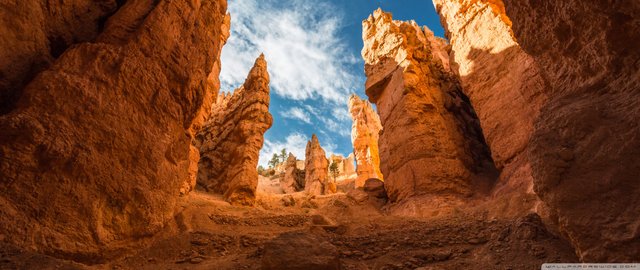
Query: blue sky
pixel 313 53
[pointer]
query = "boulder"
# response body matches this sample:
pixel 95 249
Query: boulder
pixel 375 188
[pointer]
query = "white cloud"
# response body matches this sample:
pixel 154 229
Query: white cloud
pixel 300 40
pixel 297 113
pixel 294 143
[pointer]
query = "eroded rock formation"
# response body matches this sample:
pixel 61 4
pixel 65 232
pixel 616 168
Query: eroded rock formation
pixel 316 167
pixel 585 147
pixel 364 137
pixel 430 143
pixel 231 139
pixel 551 94
pixel 94 148
pixel 293 178
pixel 506 90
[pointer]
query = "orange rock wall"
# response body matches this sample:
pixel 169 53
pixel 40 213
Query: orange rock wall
pixel 94 148
pixel 505 88
pixel 585 147
pixel 231 139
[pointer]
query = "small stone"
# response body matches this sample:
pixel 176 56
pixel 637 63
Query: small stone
pixel 196 260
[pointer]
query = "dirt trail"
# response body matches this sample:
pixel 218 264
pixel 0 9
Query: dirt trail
pixel 215 235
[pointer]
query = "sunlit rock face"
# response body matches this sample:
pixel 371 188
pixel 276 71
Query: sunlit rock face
pixel 365 132
pixel 430 143
pixel 505 88
pixel 585 147
pixel 316 167
pixel 293 177
pixel 231 139
pixel 95 148
pixel 345 168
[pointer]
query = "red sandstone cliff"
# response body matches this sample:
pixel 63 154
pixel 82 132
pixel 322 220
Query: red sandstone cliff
pixel 430 143
pixel 585 147
pixel 505 88
pixel 231 139
pixel 557 100
pixel 96 118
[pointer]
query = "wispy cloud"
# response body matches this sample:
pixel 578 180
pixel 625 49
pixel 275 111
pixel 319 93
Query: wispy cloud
pixel 297 113
pixel 294 143
pixel 306 57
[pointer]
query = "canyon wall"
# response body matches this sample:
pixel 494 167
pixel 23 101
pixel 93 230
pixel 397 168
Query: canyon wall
pixel 430 143
pixel 505 88
pixel 97 118
pixel 365 131
pixel 231 139
pixel 585 147
pixel 316 168
pixel 556 90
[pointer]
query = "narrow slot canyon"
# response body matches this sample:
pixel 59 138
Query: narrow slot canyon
pixel 452 134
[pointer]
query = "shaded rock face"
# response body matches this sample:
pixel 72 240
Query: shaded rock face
pixel 316 167
pixel 505 88
pixel 293 179
pixel 585 147
pixel 95 147
pixel 231 139
pixel 364 137
pixel 430 142
pixel 52 28
pixel 300 251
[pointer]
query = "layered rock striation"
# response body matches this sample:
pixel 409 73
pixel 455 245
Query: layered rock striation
pixel 94 137
pixel 430 143
pixel 365 132
pixel 316 167
pixel 231 139
pixel 585 146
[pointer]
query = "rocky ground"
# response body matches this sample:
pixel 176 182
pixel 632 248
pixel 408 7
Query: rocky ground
pixel 322 232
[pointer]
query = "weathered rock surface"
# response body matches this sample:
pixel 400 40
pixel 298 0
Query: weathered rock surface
pixel 430 142
pixel 293 178
pixel 95 148
pixel 51 27
pixel 316 167
pixel 505 88
pixel 231 139
pixel 585 147
pixel 364 137
pixel 300 251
